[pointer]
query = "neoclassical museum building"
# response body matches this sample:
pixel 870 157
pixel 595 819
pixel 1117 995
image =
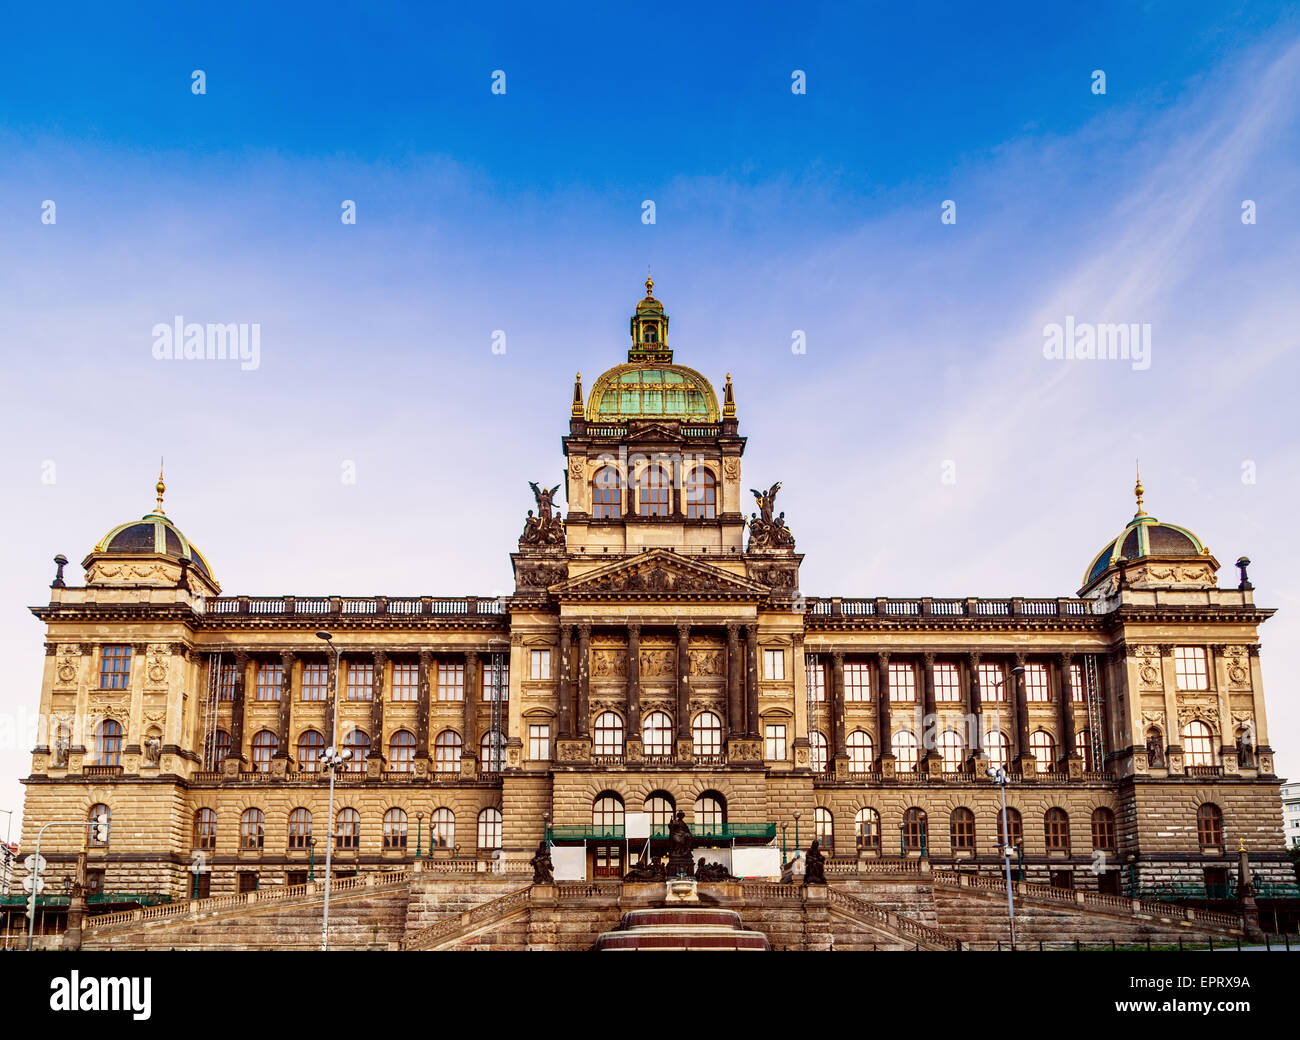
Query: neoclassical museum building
pixel 658 654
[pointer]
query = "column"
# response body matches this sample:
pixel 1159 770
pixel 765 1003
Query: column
pixel 928 721
pixel 883 723
pixel 584 679
pixel 1019 709
pixel 735 709
pixel 751 681
pixel 237 707
pixel 422 709
pixel 282 735
pixel 377 745
pixel 564 724
pixel 684 681
pixel 836 735
pixel 1066 705
pixel 633 681
pixel 470 717
pixel 974 704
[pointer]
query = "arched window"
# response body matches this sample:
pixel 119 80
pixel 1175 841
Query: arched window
pixel 710 814
pixel 220 749
pixel 1043 748
pixel 348 830
pixel 97 810
pixel 489 829
pixel 701 494
pixel 205 830
pixel 953 751
pixel 824 827
pixel 866 828
pixel 609 734
pixel 108 743
pixel 817 751
pixel 492 751
pixel 310 746
pixel 1056 830
pixel 252 829
pixel 1198 744
pixel 1015 825
pixel 706 732
pixel 861 753
pixel 1209 824
pixel 905 753
pixel 914 830
pixel 446 752
pixel 606 494
pixel 654 492
pixel 657 734
pixel 996 748
pixel 660 806
pixel 1083 748
pixel 358 742
pixel 401 751
pixel 442 829
pixel 264 745
pixel 607 815
pixel 395 829
pixel 1103 829
pixel 300 829
pixel 963 830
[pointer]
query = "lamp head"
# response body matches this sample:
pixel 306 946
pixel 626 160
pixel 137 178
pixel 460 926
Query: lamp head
pixel 1018 670
pixel 324 635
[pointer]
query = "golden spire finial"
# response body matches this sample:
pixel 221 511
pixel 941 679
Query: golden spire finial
pixel 728 400
pixel 577 411
pixel 649 284
pixel 1139 490
pixel 160 489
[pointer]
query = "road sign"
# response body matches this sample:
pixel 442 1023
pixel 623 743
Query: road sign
pixel 39 881
pixel 34 864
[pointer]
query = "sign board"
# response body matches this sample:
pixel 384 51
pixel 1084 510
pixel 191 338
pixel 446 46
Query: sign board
pixel 637 826
pixel 722 856
pixel 34 864
pixel 39 881
pixel 762 861
pixel 570 862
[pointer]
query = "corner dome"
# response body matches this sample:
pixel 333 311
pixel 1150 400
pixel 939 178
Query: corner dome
pixel 152 534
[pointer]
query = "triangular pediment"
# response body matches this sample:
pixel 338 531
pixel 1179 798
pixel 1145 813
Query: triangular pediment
pixel 654 431
pixel 660 573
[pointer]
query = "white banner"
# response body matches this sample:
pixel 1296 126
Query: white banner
pixel 570 862
pixel 763 861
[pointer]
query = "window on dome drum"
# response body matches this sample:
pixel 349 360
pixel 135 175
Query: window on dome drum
pixel 606 495
pixel 607 814
pixel 1209 825
pixel 953 751
pixel 817 751
pixel 947 684
pixel 1043 748
pixel 1198 744
pixel 446 752
pixel 114 667
pixel 1056 830
pixel 108 743
pixel 315 682
pixel 539 741
pixel 649 333
pixel 654 492
pixel 252 830
pixel 489 829
pixel 492 751
pixel 442 829
pixel 97 810
pixel 774 664
pixel 701 495
pixel 358 742
pixel 710 814
pixel 816 680
pixel 963 830
pixel 657 734
pixel 866 829
pixel 401 751
pixel 496 682
pixel 220 749
pixel 914 830
pixel 539 662
pixel 226 682
pixel 861 752
pixel 824 827
pixel 1190 668
pixel 1015 825
pixel 609 734
pixel 1103 830
pixel 660 806
pixel 706 733
pixel 300 829
pixel 993 687
pixel 406 681
pixel 997 749
pixel 269 677
pixel 774 743
pixel 361 682
pixel 857 681
pixel 905 752
pixel 1076 683
pixel 395 829
pixel 902 683
pixel 264 746
pixel 310 746
pixel 205 830
pixel 1036 689
pixel 451 681
pixel 347 830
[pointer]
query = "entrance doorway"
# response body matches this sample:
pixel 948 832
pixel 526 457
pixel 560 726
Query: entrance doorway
pixel 609 861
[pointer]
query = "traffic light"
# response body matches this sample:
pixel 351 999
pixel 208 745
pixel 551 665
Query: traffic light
pixel 99 829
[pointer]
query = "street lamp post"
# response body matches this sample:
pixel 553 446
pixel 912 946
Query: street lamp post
pixel 999 776
pixel 419 835
pixel 333 760
pixel 311 866
pixel 797 814
pixel 784 825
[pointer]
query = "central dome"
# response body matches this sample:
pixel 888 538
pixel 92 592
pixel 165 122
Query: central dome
pixel 639 391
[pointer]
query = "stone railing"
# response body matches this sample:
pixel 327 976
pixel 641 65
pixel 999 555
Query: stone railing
pixel 427 938
pixel 847 867
pixel 929 607
pixel 349 606
pixel 897 924
pixel 588 889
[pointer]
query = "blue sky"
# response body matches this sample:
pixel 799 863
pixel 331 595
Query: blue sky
pixel 775 212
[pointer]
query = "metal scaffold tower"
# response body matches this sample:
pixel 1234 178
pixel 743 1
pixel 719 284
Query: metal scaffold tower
pixel 812 678
pixel 1096 732
pixel 500 692
pixel 210 712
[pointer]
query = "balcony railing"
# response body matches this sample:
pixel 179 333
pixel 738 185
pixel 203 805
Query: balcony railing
pixel 927 606
pixel 102 770
pixel 1205 770
pixel 350 606
pixel 712 831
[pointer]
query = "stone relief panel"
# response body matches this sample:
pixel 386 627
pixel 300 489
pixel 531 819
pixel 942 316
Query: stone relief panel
pixel 1150 671
pixel 1237 662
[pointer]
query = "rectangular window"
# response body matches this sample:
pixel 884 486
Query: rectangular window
pixel 539 664
pixel 114 667
pixel 774 664
pixel 1190 668
pixel 993 687
pixel 315 682
pixel 857 681
pixel 361 682
pixel 816 682
pixel 539 742
pixel 1036 691
pixel 406 682
pixel 269 677
pixel 947 684
pixel 226 683
pixel 451 681
pixel 774 744
pixel 902 683
pixel 1076 683
pixel 496 682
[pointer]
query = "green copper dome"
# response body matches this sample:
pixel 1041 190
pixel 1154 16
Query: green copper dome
pixel 636 391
